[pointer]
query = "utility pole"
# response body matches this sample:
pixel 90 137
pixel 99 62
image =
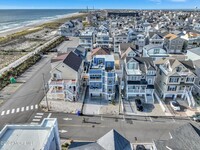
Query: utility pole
pixel 45 93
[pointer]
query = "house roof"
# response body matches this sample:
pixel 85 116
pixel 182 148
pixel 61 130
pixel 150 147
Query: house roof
pixel 114 141
pixel 151 34
pixel 195 50
pixel 110 141
pixel 100 51
pixel 185 137
pixel 125 46
pixel 170 36
pixel 73 61
pixel 145 63
pixel 60 57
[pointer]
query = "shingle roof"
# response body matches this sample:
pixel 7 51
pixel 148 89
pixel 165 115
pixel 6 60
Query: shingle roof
pixel 125 46
pixel 186 137
pixel 195 50
pixel 114 141
pixel 85 146
pixel 73 61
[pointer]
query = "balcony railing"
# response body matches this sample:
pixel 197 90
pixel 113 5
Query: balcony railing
pixel 136 91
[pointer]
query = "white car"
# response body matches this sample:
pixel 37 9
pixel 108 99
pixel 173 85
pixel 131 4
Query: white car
pixel 175 105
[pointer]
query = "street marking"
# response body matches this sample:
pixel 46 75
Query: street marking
pixel 3 112
pixel 22 109
pixel 150 119
pixel 36 106
pixel 36 120
pixel 40 113
pixel 13 110
pixel 38 116
pixel 27 108
pixel 173 119
pixel 34 123
pixel 8 111
pixel 18 109
pixel 62 131
pixel 49 115
pixel 31 107
pixel 67 119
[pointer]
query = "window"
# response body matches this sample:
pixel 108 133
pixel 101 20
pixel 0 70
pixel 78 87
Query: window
pixel 178 69
pixel 171 88
pixel 174 79
pixel 54 75
pixel 156 51
pixel 189 79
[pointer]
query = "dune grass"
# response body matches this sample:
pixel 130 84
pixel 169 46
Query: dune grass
pixel 52 25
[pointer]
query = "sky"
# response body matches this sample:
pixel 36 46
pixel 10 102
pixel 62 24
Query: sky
pixel 100 4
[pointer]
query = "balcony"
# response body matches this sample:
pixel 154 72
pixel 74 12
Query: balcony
pixel 136 91
pixel 95 90
pixel 56 83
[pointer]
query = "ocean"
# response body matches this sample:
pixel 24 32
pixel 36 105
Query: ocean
pixel 13 19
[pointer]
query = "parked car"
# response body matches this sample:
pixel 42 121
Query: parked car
pixel 122 95
pixel 138 104
pixel 175 105
pixel 122 85
pixel 140 147
pixel 196 117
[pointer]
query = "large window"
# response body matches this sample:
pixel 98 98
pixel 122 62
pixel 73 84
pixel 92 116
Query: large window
pixel 171 88
pixel 173 79
pixel 189 79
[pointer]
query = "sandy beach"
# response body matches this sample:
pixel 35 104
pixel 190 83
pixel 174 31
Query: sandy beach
pixel 34 25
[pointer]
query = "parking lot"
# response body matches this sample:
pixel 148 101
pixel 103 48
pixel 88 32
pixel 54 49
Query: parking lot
pixel 72 43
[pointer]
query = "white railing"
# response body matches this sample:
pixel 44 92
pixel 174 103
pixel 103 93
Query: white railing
pixel 192 99
pixel 188 99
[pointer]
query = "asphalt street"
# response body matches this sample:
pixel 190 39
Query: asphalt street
pixel 145 129
pixel 24 102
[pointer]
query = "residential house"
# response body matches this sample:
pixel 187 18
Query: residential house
pixel 193 39
pixel 128 50
pixel 70 28
pixel 139 77
pixel 173 43
pixel 140 42
pixel 155 38
pixel 119 38
pixel 155 51
pixel 102 77
pixel 110 141
pixel 87 39
pixel 194 55
pixel 103 39
pixel 44 136
pixel 175 79
pixel 65 77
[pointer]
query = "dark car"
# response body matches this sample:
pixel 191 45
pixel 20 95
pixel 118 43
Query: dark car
pixel 196 117
pixel 140 147
pixel 139 106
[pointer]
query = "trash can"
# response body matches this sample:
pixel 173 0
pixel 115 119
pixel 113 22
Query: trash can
pixel 78 113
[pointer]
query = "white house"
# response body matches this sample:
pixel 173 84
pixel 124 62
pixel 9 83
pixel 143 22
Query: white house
pixel 154 51
pixel 44 136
